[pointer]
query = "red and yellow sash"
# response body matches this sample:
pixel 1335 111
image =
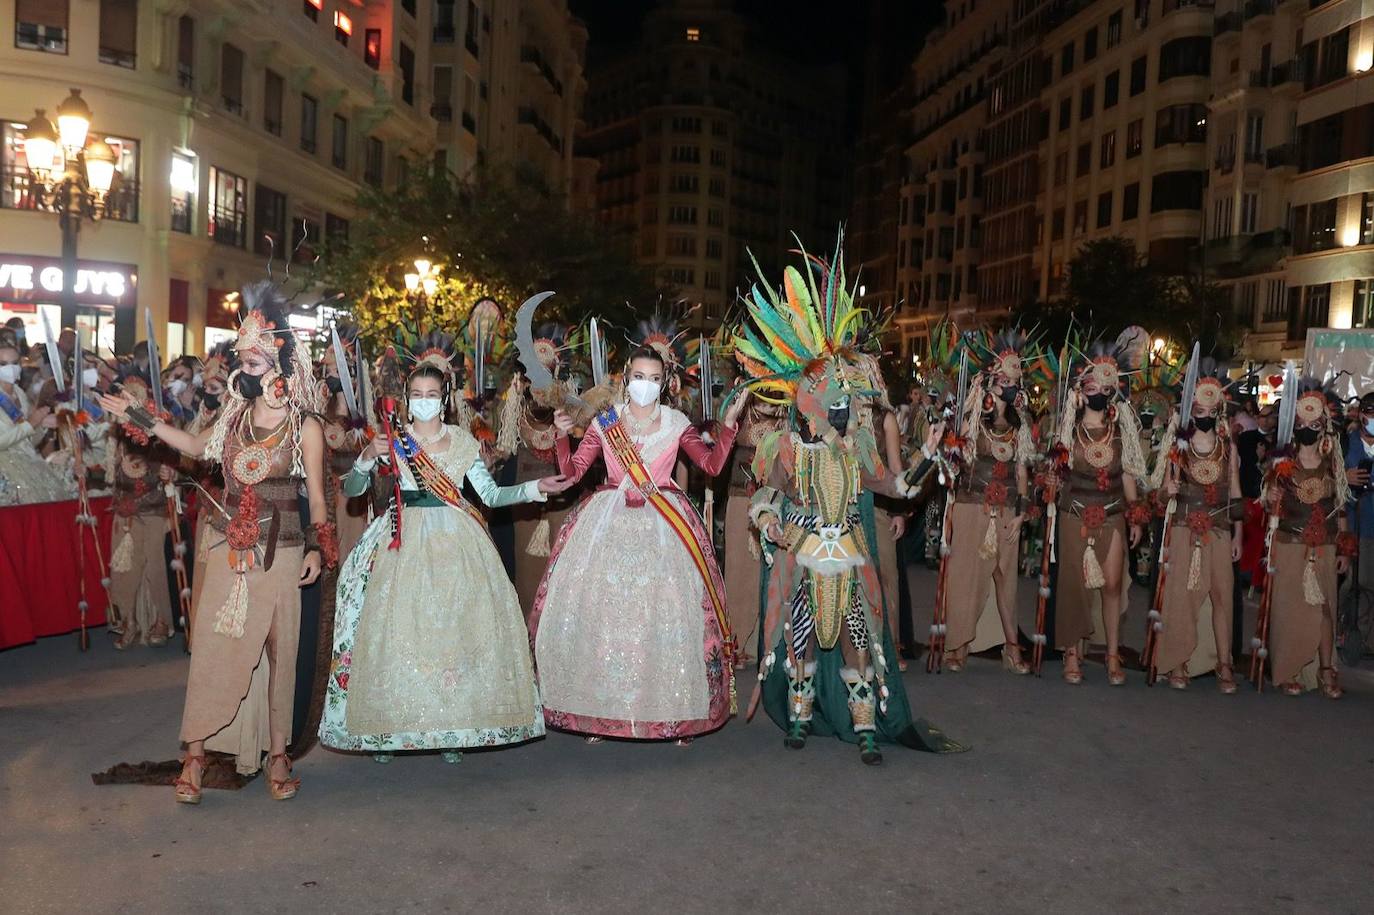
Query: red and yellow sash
pixel 627 453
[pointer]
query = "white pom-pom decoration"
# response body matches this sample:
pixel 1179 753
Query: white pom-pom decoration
pixel 179 549
pixel 105 582
pixel 82 606
pixel 1154 615
pixel 1264 652
pixel 186 593
pixel 177 565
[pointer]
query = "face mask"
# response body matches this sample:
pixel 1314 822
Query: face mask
pixel 250 386
pixel 1098 402
pixel 423 409
pixel 1307 436
pixel 1010 393
pixel 176 386
pixel 210 401
pixel 10 373
pixel 90 377
pixel 839 418
pixel 1369 426
pixel 643 391
pixel 1205 423
pixel 334 384
pixel 197 380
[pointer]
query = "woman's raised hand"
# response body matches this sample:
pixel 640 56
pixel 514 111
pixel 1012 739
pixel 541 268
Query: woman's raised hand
pixel 562 422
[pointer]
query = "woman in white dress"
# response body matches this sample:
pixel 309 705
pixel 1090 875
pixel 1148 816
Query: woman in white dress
pixel 24 476
pixel 430 649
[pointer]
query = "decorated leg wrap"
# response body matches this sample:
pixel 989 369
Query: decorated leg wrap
pixel 862 706
pixel 801 697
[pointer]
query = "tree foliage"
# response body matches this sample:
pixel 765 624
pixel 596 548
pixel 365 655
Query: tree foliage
pixel 497 233
pixel 1110 286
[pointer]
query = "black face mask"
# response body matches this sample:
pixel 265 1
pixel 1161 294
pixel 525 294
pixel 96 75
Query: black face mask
pixel 1010 393
pixel 1307 436
pixel 1205 423
pixel 210 401
pixel 250 386
pixel 334 384
pixel 839 419
pixel 1098 401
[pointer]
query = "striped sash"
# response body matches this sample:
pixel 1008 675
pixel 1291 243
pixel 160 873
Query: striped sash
pixel 431 477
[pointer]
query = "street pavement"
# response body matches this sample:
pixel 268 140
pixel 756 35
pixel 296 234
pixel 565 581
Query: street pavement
pixel 1072 799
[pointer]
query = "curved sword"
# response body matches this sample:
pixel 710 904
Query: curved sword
pixel 345 377
pixel 539 376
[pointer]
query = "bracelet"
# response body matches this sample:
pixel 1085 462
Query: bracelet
pixel 141 418
pixel 1347 545
pixel 323 538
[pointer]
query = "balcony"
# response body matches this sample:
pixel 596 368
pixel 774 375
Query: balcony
pixel 1287 73
pixel 1284 156
pixel 529 54
pixel 1259 79
pixel 1242 255
pixel 1230 22
pixel 441 111
pixel 1254 8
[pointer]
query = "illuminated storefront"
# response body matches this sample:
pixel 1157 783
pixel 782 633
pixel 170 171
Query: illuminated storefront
pixel 31 288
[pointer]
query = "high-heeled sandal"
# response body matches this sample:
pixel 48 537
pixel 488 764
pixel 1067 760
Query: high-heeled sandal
pixel 1116 675
pixel 1073 675
pixel 1331 686
pixel 1226 679
pixel 953 663
pixel 1013 662
pixel 281 789
pixel 1292 688
pixel 1178 679
pixel 187 792
pixel 592 738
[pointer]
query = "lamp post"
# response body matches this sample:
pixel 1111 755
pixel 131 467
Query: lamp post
pixel 422 285
pixel 71 174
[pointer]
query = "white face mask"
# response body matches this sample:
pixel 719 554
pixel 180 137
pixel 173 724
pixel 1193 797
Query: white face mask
pixel 176 386
pixel 423 409
pixel 643 391
pixel 10 373
pixel 90 377
pixel 197 380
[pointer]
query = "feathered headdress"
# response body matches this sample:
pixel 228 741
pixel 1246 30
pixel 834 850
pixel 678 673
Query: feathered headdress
pixel 290 383
pixel 1002 358
pixel 1103 361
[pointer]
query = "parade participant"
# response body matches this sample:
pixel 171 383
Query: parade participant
pixel 1359 459
pixel 889 515
pixel 268 439
pixel 1305 497
pixel 1099 469
pixel 1199 472
pixel 743 555
pixel 629 622
pixel 140 604
pixel 178 382
pixel 430 647
pixel 824 611
pixel 345 436
pixel 989 494
pixel 24 476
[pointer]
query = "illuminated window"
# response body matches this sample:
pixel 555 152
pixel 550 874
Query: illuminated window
pixel 343 27
pixel 312 9
pixel 694 34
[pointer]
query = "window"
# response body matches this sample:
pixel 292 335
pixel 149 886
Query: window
pixel 1065 112
pixel 186 52
pixel 375 156
pixel 686 154
pixel 409 7
pixel 470 96
pixel 1107 150
pixel 470 33
pixel 1061 168
pixel 269 221
pixel 343 27
pixel 312 9
pixel 118 32
pixel 122 202
pixel 1138 75
pixel 41 25
pixel 1104 209
pixel 1314 227
pixel 1130 201
pixel 1135 137
pixel 335 229
pixel 715 218
pixel 1085 103
pixel 372 48
pixel 682 246
pixel 685 184
pixel 1180 190
pixel 273 88
pixel 1367 219
pixel 716 187
pixel 1181 124
pixel 712 279
pixel 1221 217
pixel 1327 60
pixel 1080 218
pixel 1057 224
pixel 686 125
pixel 1085 159
pixel 718 158
pixel 1066 59
pixel 339 144
pixel 1185 57
pixel 682 216
pixel 1090 44
pixel 184 183
pixel 405 58
pixel 442 107
pixel 715 249
pixel 1111 89
pixel 309 122
pixel 693 34
pixel 231 78
pixel 227 219
pixel 445 21
pixel 1309 307
pixel 1114 29
pixel 1249 208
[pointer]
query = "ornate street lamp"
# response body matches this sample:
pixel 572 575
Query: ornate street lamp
pixel 70 173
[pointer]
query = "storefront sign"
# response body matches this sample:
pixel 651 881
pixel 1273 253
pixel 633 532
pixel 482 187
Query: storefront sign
pixel 40 279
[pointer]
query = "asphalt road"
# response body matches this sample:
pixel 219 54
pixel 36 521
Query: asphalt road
pixel 1073 799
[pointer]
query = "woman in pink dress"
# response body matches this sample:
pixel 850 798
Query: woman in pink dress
pixel 627 623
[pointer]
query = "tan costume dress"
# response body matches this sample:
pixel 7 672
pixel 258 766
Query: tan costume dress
pixel 223 664
pixel 1092 506
pixel 138 567
pixel 536 523
pixel 1199 578
pixel 985 539
pixel 1304 576
pixel 742 552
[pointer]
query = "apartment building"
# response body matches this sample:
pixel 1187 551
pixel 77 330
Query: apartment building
pixel 711 145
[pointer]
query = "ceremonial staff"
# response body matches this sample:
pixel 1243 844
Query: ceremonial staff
pixel 1051 499
pixel 939 626
pixel 178 563
pixel 1259 645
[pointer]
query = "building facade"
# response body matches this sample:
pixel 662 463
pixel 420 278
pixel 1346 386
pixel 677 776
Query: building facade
pixel 712 146
pixel 246 128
